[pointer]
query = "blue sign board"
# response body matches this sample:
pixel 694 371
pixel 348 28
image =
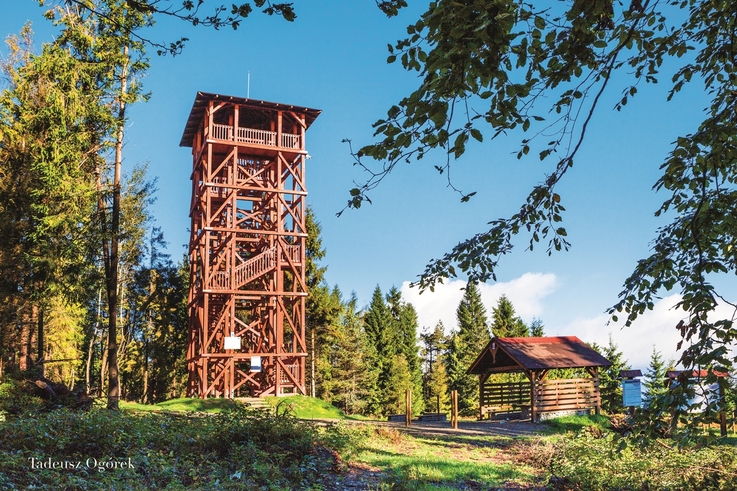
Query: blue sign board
pixel 631 393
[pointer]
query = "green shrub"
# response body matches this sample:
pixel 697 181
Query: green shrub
pixel 235 449
pixel 597 463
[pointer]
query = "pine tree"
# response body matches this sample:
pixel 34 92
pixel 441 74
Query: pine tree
pixel 465 345
pixel 505 323
pixel 353 379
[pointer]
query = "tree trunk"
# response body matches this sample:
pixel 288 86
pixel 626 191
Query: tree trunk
pixel 112 266
pixel 103 366
pixel 40 341
pixel 25 340
pixel 93 339
pixel 312 363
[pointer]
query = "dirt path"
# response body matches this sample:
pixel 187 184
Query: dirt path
pixel 512 429
pixel 361 477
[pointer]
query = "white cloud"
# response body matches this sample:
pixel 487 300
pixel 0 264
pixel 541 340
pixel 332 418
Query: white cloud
pixel 526 294
pixel 655 328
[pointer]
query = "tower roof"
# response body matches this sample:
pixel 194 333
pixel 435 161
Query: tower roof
pixel 203 98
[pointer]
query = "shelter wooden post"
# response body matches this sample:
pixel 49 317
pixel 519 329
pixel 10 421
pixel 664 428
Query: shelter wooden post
pixel 408 404
pixel 594 371
pixel 454 409
pixel 482 380
pixel 533 397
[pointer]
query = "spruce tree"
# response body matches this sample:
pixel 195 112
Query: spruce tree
pixel 405 327
pixel 378 325
pixel 322 310
pixel 610 384
pixel 352 380
pixel 537 328
pixel 654 380
pixel 465 345
pixel 399 379
pixel 505 322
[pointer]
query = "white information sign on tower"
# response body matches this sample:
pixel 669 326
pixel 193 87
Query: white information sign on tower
pixel 232 342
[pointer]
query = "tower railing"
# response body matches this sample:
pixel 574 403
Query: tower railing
pixel 254 136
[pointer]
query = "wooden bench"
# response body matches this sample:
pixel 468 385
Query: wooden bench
pixel 492 411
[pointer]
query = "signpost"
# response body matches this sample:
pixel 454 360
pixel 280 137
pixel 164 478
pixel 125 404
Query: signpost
pixel 631 389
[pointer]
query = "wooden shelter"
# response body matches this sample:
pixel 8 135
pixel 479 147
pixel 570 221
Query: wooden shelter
pixel 536 357
pixel 247 247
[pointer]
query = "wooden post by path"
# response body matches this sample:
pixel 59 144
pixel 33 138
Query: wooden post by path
pixel 408 413
pixel 722 410
pixel 454 409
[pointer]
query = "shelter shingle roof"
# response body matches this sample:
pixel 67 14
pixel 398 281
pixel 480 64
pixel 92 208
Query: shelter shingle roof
pixel 531 354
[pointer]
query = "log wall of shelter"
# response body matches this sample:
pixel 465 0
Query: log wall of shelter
pixel 505 397
pixel 566 394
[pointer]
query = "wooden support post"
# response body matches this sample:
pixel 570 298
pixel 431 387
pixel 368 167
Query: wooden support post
pixel 454 409
pixel 481 397
pixel 533 394
pixel 597 389
pixel 408 412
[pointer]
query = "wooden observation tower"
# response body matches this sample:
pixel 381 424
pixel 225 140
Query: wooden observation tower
pixel 247 248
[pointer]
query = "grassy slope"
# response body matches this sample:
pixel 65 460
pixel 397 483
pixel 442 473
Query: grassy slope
pixel 306 407
pixel 303 407
pixel 183 404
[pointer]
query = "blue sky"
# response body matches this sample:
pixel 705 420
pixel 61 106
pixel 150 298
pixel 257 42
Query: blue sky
pixel 333 58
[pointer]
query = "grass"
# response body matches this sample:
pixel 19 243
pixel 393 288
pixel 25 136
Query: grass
pixel 183 404
pixel 438 463
pixel 576 423
pixel 306 407
pixel 303 407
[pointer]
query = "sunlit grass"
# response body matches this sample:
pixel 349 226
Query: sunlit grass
pixel 443 463
pixel 576 423
pixel 181 404
pixel 306 407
